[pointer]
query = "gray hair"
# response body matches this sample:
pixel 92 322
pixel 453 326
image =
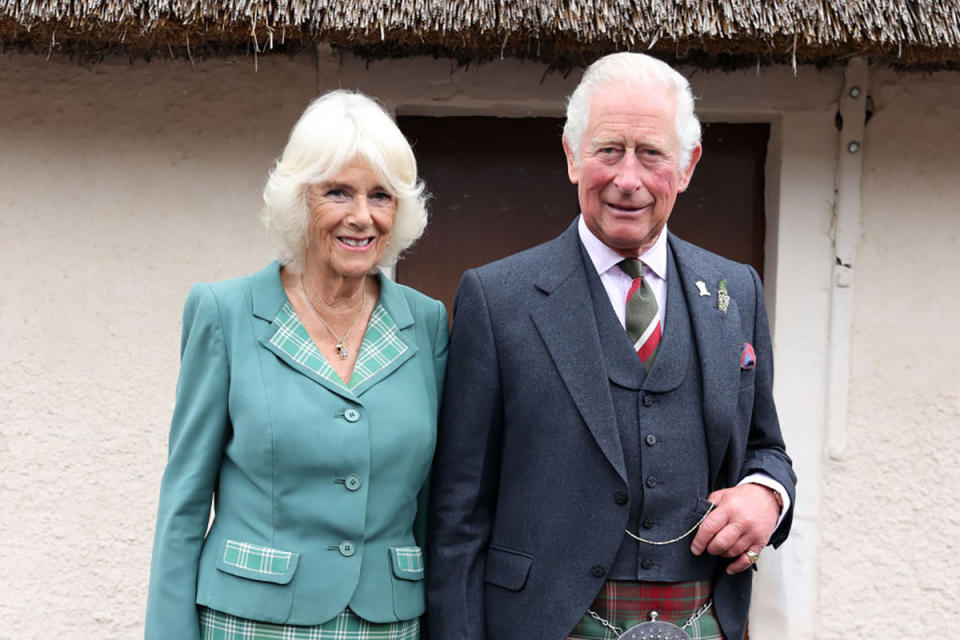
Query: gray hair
pixel 617 68
pixel 335 129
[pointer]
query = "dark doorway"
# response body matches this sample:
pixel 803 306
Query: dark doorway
pixel 500 185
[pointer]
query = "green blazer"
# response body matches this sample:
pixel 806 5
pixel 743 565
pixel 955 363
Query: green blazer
pixel 319 487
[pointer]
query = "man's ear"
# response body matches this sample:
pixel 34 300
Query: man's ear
pixel 687 173
pixel 573 171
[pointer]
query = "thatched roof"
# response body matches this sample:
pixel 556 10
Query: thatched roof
pixel 562 32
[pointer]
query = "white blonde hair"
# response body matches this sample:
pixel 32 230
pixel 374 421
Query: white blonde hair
pixel 335 129
pixel 619 68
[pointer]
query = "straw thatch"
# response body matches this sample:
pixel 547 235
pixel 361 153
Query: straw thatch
pixel 718 31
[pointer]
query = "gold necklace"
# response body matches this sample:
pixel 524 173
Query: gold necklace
pixel 341 341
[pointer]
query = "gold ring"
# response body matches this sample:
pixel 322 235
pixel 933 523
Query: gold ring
pixel 752 556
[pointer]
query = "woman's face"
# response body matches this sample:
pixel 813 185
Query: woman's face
pixel 351 215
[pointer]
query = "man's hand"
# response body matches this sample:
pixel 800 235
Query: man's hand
pixel 744 520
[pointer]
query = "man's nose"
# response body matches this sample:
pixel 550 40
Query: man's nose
pixel 629 175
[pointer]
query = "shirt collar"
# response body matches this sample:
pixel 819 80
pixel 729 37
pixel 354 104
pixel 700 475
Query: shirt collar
pixel 604 258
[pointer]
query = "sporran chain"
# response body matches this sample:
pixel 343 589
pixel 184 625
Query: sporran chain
pixel 654 623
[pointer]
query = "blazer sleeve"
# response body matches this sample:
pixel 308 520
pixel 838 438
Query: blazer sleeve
pixel 198 433
pixel 465 477
pixel 766 452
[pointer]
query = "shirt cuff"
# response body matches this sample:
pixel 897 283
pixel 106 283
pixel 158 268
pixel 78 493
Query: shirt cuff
pixel 767 481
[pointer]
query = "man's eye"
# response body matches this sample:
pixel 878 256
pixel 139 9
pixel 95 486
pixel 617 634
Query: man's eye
pixel 607 151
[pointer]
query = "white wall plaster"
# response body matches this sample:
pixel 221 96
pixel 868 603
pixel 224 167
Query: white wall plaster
pixel 891 512
pixel 120 186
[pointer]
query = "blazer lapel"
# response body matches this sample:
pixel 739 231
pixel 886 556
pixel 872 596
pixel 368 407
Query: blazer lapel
pixel 717 336
pixel 389 340
pixel 385 346
pixel 566 322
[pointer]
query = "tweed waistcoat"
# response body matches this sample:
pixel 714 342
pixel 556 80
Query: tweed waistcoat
pixel 660 421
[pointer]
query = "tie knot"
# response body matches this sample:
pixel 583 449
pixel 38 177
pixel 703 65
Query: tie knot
pixel 632 267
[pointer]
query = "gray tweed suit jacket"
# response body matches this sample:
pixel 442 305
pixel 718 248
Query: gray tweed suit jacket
pixel 523 524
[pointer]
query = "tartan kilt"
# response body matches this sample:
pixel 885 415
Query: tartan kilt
pixel 625 604
pixel 215 625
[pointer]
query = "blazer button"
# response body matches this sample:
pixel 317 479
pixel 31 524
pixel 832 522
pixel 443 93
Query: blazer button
pixel 651 439
pixel 347 549
pixel 352 482
pixel 651 482
pixel 352 415
pixel 647 401
pixel 646 563
pixel 597 571
pixel 620 497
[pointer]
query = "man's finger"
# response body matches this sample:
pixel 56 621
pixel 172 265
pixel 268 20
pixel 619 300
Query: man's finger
pixel 710 527
pixel 725 539
pixel 740 564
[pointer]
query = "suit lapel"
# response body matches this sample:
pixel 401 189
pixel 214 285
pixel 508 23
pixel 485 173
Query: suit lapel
pixel 717 336
pixel 565 319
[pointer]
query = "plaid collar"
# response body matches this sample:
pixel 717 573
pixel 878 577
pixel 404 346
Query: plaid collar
pixel 381 346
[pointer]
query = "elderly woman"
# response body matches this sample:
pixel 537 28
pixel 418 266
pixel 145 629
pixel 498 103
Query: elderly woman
pixel 307 407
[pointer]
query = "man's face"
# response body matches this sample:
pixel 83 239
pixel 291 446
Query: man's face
pixel 628 177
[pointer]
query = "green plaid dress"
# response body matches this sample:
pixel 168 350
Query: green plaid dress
pixel 381 345
pixel 215 625
pixel 626 604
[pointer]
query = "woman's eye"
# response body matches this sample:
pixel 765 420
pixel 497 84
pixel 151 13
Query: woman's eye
pixel 381 197
pixel 336 192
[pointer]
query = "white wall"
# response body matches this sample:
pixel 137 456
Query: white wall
pixel 122 184
pixel 890 557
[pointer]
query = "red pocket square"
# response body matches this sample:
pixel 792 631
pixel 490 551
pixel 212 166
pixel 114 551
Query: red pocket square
pixel 748 357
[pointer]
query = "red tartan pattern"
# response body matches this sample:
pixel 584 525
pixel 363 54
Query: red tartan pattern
pixel 626 604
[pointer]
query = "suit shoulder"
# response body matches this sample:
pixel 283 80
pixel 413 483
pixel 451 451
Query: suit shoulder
pixel 520 264
pixel 420 303
pixel 234 293
pixel 726 266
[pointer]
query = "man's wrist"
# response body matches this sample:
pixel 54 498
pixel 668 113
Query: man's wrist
pixel 776 496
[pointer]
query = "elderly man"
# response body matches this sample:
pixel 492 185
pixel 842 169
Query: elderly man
pixel 609 458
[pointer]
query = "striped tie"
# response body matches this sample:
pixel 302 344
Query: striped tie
pixel 642 319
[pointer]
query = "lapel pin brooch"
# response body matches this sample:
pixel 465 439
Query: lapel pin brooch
pixel 702 288
pixel 723 298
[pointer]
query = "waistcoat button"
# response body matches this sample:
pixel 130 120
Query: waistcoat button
pixel 646 563
pixel 651 439
pixel 651 482
pixel 620 497
pixel 647 401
